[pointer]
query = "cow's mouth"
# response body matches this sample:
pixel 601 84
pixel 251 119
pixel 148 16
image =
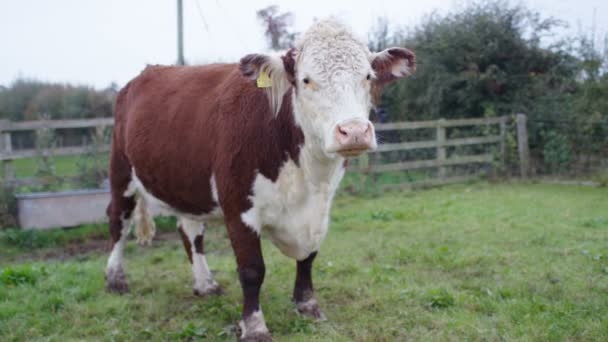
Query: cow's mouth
pixel 352 152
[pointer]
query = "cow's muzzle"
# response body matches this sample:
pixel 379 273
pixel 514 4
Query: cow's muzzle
pixel 354 138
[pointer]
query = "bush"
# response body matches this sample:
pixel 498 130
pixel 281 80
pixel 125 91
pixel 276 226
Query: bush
pixel 556 152
pixel 26 99
pixel 93 164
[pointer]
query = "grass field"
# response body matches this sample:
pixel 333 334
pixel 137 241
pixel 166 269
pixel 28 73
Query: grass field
pixel 64 166
pixel 465 262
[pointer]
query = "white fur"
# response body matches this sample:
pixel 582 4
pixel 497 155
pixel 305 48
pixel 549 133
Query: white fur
pixel 253 324
pixel 280 83
pixel 202 276
pixel 401 68
pixel 145 228
pixel 214 194
pixel 115 261
pixel 309 306
pixel 294 210
pixel 337 64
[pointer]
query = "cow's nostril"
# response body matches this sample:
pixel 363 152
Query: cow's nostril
pixel 342 132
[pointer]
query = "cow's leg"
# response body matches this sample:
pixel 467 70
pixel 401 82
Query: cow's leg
pixel 250 266
pixel 192 234
pixel 303 292
pixel 120 212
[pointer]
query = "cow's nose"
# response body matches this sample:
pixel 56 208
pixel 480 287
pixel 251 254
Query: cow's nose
pixel 354 138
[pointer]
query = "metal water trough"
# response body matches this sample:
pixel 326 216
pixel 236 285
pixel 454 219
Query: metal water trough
pixel 45 210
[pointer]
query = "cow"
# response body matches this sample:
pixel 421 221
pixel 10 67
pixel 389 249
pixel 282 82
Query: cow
pixel 262 143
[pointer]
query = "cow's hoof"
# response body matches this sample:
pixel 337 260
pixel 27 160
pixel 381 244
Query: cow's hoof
pixel 116 281
pixel 257 337
pixel 213 290
pixel 311 309
pixel 253 328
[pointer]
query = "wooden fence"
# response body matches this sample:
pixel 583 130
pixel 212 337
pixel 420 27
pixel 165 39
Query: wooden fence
pixel 372 164
pixel 366 164
pixel 8 153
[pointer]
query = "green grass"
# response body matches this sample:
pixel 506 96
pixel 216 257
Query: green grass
pixel 467 262
pixel 15 242
pixel 64 166
pixel 69 169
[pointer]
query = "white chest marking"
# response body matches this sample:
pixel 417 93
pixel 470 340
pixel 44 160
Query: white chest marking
pixel 294 210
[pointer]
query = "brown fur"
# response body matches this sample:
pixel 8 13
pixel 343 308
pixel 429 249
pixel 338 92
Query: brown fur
pixel 217 123
pixel 383 65
pixel 186 242
pixel 383 68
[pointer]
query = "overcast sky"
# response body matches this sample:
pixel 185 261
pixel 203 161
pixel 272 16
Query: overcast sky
pixel 96 42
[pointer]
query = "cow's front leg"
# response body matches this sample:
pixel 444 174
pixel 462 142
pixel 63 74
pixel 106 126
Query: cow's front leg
pixel 250 266
pixel 304 293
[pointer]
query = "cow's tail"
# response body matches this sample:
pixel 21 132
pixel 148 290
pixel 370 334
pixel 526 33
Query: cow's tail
pixel 145 228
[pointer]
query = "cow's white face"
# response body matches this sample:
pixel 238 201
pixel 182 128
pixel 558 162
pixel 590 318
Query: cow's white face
pixel 333 100
pixel 332 73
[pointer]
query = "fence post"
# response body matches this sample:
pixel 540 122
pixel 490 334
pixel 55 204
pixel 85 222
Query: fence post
pixel 6 148
pixel 503 142
pixel 99 134
pixel 441 149
pixel 522 146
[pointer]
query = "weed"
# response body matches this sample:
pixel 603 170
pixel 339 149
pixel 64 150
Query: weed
pixel 438 299
pixel 382 215
pixel 13 276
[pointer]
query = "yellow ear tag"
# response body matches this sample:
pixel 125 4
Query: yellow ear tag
pixel 263 80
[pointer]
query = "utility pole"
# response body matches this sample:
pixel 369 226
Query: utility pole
pixel 180 33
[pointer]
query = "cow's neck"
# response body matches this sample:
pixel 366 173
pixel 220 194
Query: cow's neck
pixel 318 168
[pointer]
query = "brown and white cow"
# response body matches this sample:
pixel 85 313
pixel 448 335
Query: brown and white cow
pixel 262 143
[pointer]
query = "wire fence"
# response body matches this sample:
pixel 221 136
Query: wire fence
pixel 568 147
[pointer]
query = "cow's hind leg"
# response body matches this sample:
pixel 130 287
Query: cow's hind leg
pixel 192 234
pixel 120 212
pixel 303 292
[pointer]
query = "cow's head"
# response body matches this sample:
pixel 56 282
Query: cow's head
pixel 332 73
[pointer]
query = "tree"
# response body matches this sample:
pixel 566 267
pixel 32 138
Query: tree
pixel 380 36
pixel 489 59
pixel 277 27
pixel 483 60
pixel 28 99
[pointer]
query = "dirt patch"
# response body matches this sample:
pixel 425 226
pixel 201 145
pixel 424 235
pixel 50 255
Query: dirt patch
pixel 82 249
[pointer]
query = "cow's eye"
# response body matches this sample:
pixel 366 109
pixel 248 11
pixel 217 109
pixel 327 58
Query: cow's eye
pixel 369 77
pixel 306 80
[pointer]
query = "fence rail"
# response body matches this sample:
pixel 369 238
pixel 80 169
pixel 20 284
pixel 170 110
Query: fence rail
pixel 366 164
pixel 440 144
pixel 7 128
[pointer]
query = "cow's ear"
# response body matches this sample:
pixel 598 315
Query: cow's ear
pixel 276 74
pixel 393 63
